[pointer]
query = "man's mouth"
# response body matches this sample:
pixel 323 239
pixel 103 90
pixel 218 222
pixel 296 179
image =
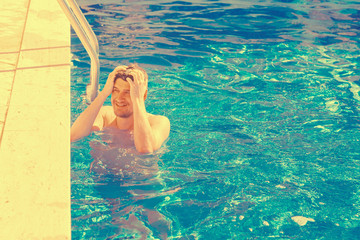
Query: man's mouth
pixel 120 104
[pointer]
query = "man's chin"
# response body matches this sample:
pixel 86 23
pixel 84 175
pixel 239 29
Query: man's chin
pixel 123 115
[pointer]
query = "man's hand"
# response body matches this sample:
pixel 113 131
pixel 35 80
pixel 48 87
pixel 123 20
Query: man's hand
pixel 109 85
pixel 138 87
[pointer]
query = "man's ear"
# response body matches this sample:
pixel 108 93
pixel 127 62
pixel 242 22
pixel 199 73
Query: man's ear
pixel 145 95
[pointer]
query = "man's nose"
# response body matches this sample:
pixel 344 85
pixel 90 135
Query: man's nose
pixel 121 96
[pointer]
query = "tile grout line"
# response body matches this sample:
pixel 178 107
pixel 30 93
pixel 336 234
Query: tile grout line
pixel 45 66
pixel 34 49
pixel 33 67
pixel 9 52
pixel 17 62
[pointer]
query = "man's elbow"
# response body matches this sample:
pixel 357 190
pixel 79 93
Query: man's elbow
pixel 145 150
pixel 74 135
pixel 73 138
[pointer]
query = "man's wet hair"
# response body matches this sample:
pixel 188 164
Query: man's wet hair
pixel 124 72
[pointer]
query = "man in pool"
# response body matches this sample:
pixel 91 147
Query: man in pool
pixel 126 125
pixel 128 86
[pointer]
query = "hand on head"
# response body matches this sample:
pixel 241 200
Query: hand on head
pixel 138 87
pixel 138 80
pixel 109 85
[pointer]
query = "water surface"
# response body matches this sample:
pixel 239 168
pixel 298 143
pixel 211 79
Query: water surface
pixel 263 99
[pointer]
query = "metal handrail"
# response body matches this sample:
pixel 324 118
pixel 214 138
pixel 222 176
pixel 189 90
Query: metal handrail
pixel 88 39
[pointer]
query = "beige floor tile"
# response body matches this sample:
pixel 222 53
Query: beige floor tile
pixel 35 147
pixel 47 24
pixel 5 87
pixel 5 96
pixel 12 22
pixel 34 118
pixel 6 79
pixel 8 61
pixel 35 157
pixel 41 87
pixel 45 149
pixel 3 110
pixel 37 179
pixel 15 5
pixel 44 57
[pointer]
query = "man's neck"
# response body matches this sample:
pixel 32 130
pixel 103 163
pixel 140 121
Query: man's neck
pixel 125 123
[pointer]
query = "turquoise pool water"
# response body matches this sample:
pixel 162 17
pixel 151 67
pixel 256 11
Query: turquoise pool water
pixel 263 99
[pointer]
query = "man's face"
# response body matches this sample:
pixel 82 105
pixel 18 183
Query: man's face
pixel 121 100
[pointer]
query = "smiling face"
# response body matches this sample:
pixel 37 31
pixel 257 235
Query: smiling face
pixel 121 100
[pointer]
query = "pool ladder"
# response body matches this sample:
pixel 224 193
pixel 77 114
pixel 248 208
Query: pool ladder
pixel 88 39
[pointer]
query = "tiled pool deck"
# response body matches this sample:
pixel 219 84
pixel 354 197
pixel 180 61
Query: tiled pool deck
pixel 34 120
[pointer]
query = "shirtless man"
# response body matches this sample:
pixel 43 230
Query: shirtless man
pixel 128 86
pixel 126 123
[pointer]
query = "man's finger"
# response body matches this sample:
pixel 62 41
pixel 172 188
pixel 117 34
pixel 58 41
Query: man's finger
pixel 140 77
pixel 130 82
pixel 112 75
pixel 137 77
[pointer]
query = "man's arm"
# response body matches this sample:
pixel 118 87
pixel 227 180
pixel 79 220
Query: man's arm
pixel 84 124
pixel 148 134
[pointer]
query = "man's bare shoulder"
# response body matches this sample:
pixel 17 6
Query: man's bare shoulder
pixel 161 128
pixel 108 114
pixel 106 108
pixel 158 119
